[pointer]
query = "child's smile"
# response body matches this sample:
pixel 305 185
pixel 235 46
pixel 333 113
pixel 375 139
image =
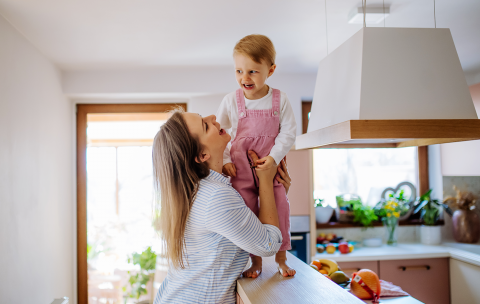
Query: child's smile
pixel 251 76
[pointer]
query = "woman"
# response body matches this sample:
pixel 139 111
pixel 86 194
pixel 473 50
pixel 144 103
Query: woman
pixel 207 229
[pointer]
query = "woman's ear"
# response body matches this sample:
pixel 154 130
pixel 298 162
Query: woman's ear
pixel 203 158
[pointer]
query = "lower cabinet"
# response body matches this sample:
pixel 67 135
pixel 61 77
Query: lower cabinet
pixel 427 280
pixel 465 282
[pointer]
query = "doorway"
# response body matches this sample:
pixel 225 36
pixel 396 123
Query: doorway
pixel 115 201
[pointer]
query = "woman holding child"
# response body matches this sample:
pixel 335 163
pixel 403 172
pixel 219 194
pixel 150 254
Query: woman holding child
pixel 207 228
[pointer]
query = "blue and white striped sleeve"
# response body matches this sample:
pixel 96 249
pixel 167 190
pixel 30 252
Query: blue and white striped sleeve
pixel 228 215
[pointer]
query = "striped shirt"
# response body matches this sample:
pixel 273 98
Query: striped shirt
pixel 220 232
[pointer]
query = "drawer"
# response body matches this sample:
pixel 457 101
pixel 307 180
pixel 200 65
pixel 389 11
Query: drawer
pixel 350 267
pixel 424 279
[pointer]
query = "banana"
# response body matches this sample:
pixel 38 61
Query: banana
pixel 330 264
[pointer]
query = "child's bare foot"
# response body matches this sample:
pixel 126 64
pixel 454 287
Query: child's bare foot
pixel 256 268
pixel 283 268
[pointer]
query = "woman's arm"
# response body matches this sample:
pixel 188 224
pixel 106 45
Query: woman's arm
pixel 268 210
pixel 227 215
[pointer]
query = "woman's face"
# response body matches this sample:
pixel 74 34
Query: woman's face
pixel 213 138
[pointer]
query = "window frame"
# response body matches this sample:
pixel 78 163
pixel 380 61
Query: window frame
pixel 422 165
pixel 81 131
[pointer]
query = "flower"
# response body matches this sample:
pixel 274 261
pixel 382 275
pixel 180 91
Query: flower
pixel 397 214
pixel 389 214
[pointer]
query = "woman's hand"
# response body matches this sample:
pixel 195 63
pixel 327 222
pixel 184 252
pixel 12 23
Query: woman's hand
pixel 264 175
pixel 284 177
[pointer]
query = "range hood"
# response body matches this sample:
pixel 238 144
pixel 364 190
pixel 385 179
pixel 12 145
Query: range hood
pixel 391 87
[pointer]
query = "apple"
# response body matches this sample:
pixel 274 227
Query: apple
pixel 343 247
pixel 329 237
pixel 331 248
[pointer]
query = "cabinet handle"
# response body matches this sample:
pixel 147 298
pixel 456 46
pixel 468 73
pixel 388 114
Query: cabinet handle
pixel 296 238
pixel 404 268
pixel 351 269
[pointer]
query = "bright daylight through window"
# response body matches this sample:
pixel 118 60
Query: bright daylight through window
pixel 365 172
pixel 120 199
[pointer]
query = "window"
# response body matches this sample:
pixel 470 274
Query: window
pixel 366 171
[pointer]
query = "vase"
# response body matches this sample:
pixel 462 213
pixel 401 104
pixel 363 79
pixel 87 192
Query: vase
pixel 391 226
pixel 430 235
pixel 466 226
pixel 323 214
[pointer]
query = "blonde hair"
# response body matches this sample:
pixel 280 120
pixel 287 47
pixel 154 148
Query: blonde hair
pixel 176 177
pixel 257 47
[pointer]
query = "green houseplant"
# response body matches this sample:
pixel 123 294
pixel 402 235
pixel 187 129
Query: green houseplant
pixel 147 261
pixel 350 207
pixel 429 209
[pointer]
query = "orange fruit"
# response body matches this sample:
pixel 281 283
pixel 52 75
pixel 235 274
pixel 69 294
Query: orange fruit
pixel 370 278
pixel 317 263
pixel 322 271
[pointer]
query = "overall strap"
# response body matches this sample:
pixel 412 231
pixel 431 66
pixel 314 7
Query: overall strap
pixel 276 95
pixel 240 104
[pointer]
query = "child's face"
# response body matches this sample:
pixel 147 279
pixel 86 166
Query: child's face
pixel 251 76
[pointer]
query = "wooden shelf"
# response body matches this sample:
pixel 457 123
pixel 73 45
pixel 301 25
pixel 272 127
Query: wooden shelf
pixel 394 133
pixel 334 225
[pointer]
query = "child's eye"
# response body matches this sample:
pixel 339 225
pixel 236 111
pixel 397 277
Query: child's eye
pixel 238 71
pixel 253 72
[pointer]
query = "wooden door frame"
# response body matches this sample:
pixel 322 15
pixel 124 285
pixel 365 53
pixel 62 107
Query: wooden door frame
pixel 82 111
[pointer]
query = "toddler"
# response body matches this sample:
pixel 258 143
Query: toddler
pixel 261 119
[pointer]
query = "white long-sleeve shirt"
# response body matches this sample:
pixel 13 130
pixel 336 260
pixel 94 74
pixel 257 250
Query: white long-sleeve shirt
pixel 227 116
pixel 220 232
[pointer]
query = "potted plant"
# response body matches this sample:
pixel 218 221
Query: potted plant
pixel 344 210
pixel 430 233
pixel 323 212
pixel 142 282
pixel 466 223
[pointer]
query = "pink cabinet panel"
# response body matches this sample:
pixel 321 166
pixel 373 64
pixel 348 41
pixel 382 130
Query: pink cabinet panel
pixel 300 194
pixel 350 267
pixel 424 279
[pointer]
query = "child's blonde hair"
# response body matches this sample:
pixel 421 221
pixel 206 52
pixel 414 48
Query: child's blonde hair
pixel 258 47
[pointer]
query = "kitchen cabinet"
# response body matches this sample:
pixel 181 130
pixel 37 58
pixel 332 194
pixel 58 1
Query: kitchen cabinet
pixel 424 279
pixel 464 283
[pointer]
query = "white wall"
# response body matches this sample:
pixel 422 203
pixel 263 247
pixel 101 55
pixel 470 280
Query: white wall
pixel 463 158
pixel 168 82
pixel 36 176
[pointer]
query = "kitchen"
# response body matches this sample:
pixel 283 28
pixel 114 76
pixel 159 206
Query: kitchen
pixel 58 56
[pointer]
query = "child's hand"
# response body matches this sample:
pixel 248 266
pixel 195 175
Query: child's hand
pixel 229 170
pixel 265 163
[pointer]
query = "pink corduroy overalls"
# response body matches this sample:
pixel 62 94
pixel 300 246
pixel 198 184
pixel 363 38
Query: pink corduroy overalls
pixel 257 130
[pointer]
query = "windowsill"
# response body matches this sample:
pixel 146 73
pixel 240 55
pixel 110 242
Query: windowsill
pixel 333 225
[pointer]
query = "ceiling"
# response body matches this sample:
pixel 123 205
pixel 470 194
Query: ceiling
pixel 92 34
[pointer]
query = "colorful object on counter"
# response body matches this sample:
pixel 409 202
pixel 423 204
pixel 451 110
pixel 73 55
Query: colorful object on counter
pixel 331 248
pixel 339 277
pixel 366 285
pixel 320 248
pixel 466 223
pixel 325 266
pixel 350 247
pixel 343 247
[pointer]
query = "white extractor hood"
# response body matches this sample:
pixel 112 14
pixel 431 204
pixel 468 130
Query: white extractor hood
pixel 391 87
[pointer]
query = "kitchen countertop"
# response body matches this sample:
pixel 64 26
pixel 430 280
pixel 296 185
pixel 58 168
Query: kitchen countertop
pixel 307 286
pixel 469 253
